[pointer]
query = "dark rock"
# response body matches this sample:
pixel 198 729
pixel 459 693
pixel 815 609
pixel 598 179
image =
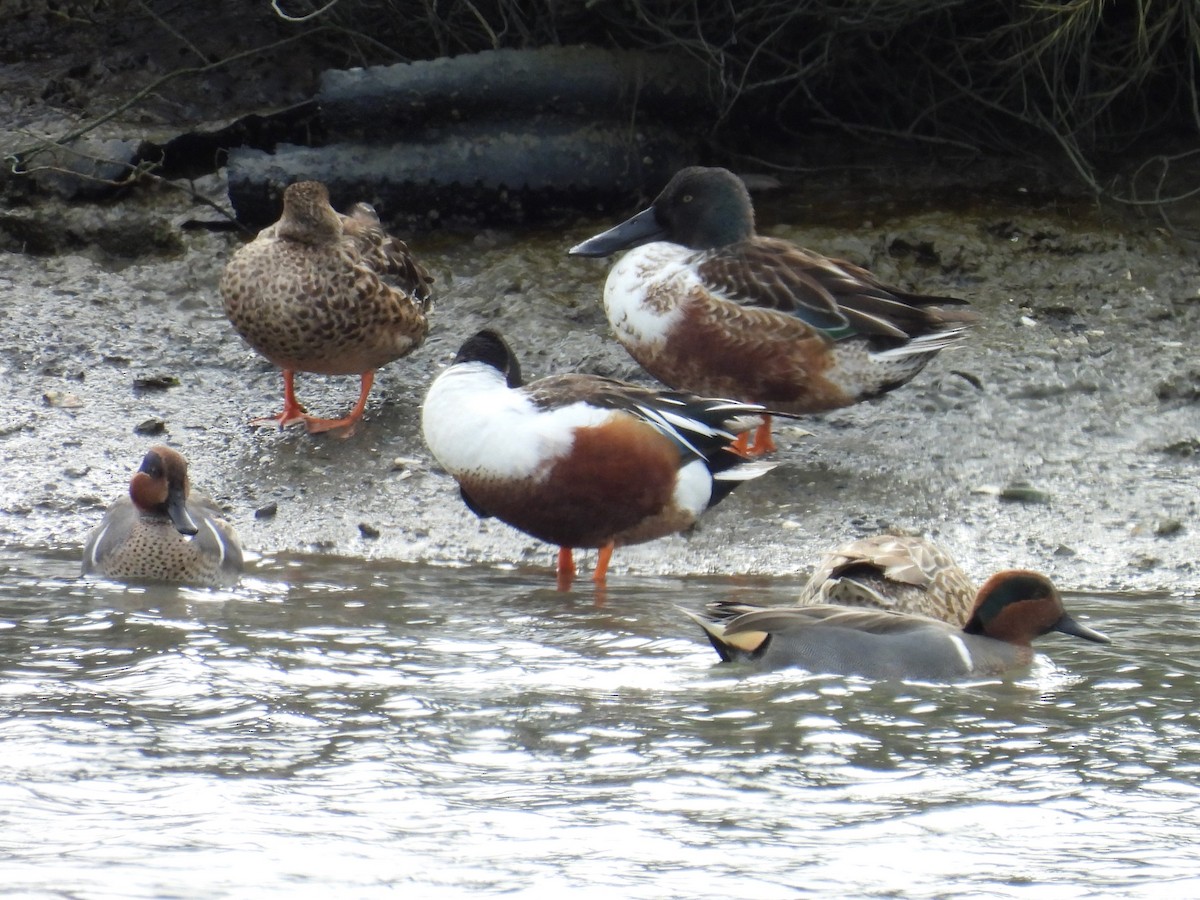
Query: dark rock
pixel 83 168
pixel 1023 492
pixel 150 427
pixel 155 382
pixel 1167 526
pixel 1183 385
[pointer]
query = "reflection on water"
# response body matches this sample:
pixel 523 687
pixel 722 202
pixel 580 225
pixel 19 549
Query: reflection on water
pixel 353 728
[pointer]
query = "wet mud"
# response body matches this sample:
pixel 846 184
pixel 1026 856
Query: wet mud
pixel 1063 435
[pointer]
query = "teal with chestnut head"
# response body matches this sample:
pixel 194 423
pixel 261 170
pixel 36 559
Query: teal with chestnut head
pixel 162 531
pixel 1013 608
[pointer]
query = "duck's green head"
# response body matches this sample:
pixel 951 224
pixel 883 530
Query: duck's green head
pixel 701 208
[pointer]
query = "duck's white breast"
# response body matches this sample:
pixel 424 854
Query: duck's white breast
pixel 644 290
pixel 693 487
pixel 474 424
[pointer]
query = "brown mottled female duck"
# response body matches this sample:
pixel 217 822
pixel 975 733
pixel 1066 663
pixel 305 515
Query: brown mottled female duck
pixel 901 573
pixel 326 293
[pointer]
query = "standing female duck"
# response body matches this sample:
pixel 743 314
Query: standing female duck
pixel 705 304
pixel 326 293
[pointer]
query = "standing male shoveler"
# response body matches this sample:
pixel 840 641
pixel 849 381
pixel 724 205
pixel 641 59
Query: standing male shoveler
pixel 705 304
pixel 579 460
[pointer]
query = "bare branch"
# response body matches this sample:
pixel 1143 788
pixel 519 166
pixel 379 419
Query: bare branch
pixel 312 15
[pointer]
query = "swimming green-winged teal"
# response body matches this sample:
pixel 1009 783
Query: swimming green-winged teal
pixel 326 293
pixel 704 304
pixel 901 573
pixel 1013 607
pixel 579 460
pixel 163 532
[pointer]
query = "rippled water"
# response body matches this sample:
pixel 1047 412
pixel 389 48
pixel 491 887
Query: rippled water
pixel 341 728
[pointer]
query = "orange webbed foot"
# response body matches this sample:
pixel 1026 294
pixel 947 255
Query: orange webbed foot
pixel 293 413
pixel 319 426
pixel 763 442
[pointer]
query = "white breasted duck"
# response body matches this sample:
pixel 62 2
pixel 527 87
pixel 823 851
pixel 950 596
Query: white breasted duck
pixel 326 293
pixel 162 531
pixel 577 460
pixel 705 304
pixel 1013 607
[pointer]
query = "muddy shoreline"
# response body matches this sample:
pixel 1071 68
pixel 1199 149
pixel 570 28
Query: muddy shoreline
pixel 1064 435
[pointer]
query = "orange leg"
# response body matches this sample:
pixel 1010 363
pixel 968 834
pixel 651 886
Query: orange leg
pixel 316 426
pixel 566 568
pixel 602 560
pixel 293 412
pixel 600 575
pixel 762 439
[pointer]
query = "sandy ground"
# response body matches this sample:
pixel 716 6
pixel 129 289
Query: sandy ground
pixel 1063 435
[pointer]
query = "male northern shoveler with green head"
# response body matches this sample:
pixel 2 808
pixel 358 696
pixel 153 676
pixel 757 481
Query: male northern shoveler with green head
pixel 579 460
pixel 1012 608
pixel 901 573
pixel 164 532
pixel 704 304
pixel 326 293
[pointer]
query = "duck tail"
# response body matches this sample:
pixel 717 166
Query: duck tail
pixel 729 470
pixel 741 648
pixel 924 344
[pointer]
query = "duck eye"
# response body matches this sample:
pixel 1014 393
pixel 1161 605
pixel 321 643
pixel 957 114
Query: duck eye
pixel 687 198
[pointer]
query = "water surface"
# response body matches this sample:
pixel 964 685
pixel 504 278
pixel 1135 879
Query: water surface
pixel 335 727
